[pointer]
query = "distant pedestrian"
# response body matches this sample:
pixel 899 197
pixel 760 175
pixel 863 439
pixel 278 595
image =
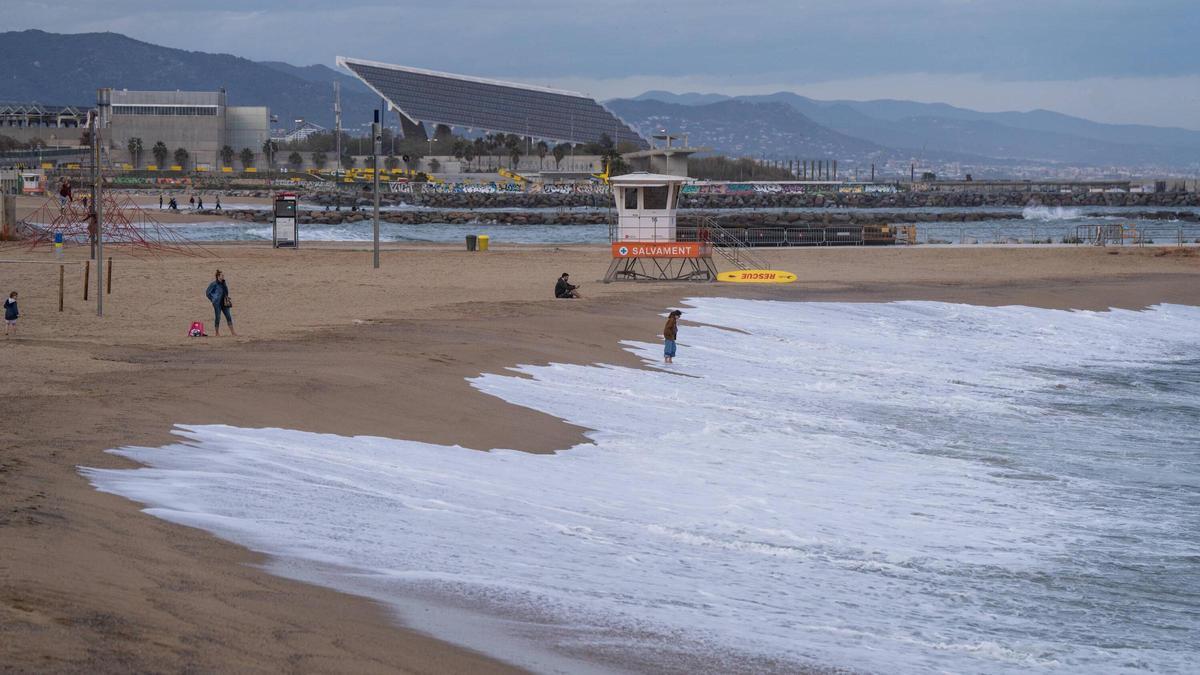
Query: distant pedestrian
pixel 85 202
pixel 172 205
pixel 218 295
pixel 160 201
pixel 218 202
pixel 10 314
pixel 64 193
pixel 192 202
pixel 200 202
pixel 670 333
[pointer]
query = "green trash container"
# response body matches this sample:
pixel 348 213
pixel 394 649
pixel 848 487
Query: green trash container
pixel 471 240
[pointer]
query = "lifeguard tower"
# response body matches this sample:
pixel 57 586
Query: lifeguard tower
pixel 646 245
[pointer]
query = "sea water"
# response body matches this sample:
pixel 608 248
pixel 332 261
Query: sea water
pixel 905 487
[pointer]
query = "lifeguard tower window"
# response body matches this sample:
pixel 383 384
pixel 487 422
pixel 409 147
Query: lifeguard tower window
pixel 631 198
pixel 285 208
pixel 656 198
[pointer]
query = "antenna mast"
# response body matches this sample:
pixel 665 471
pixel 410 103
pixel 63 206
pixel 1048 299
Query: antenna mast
pixel 337 125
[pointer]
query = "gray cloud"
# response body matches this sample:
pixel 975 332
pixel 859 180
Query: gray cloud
pixel 790 43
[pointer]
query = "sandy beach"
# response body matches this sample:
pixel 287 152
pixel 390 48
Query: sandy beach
pixel 327 344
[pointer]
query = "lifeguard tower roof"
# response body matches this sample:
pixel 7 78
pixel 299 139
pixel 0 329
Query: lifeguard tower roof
pixel 434 97
pixel 643 179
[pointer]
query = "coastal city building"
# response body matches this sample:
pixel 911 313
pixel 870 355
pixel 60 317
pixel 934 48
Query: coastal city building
pixel 428 98
pixel 199 122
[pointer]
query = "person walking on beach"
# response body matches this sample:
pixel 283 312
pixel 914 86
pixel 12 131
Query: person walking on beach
pixel 218 295
pixel 218 202
pixel 160 201
pixel 670 332
pixel 11 312
pixel 564 289
pixel 200 203
pixel 192 202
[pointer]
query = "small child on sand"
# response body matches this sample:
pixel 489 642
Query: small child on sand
pixel 10 314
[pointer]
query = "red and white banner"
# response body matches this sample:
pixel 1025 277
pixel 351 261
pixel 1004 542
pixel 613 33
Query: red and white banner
pixel 660 249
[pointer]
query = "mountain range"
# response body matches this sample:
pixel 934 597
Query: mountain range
pixel 57 69
pixel 50 68
pixel 941 131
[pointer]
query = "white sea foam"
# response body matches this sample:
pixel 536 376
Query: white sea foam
pixel 1049 213
pixel 905 487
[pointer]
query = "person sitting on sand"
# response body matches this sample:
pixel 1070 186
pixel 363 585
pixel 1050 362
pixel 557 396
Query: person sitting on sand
pixel 11 312
pixel 670 332
pixel 564 289
pixel 218 295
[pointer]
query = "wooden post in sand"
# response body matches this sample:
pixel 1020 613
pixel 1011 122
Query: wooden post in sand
pixel 108 283
pixel 61 273
pixel 87 271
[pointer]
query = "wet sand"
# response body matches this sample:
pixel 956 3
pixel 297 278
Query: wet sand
pixel 326 344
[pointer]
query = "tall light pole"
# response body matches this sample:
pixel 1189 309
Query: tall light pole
pixel 376 148
pixel 103 98
pixel 431 142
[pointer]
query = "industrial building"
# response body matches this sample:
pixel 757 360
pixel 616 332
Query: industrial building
pixel 200 122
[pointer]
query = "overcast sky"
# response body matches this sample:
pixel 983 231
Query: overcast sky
pixel 1109 60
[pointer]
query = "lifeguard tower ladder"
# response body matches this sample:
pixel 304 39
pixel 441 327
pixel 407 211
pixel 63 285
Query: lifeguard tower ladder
pixel 645 241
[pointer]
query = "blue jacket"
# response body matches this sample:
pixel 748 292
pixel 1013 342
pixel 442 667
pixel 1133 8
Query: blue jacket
pixel 216 292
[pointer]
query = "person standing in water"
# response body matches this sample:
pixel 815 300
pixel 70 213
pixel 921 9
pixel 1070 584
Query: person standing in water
pixel 218 295
pixel 670 333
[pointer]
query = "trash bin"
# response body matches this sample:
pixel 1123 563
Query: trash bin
pixel 483 242
pixel 471 242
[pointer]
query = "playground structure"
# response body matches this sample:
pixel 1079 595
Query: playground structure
pixel 125 224
pixel 647 243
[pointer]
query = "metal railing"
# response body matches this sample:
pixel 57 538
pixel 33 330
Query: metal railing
pixel 1136 235
pixel 730 247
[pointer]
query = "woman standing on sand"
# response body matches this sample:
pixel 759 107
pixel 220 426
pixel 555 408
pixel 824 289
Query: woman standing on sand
pixel 670 332
pixel 218 295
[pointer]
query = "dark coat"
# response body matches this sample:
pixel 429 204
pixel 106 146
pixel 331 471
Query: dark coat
pixel 562 289
pixel 10 310
pixel 216 292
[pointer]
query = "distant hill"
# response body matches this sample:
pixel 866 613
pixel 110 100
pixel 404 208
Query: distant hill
pixel 939 130
pixel 51 68
pixel 742 128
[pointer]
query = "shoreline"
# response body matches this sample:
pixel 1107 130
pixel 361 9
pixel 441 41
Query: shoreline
pixel 127 591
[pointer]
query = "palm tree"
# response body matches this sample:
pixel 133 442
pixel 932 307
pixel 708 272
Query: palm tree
pixel 319 159
pixel 135 151
pixel 481 147
pixel 160 153
pixel 560 151
pixel 269 147
pixel 468 152
pixel 542 150
pixel 391 163
pixel 181 157
pixel 247 157
pixel 227 156
pixel 296 160
pixel 512 143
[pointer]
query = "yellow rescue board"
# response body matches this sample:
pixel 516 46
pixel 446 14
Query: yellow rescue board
pixel 757 276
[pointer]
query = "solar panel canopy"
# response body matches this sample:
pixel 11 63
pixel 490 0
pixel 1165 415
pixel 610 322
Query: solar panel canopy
pixel 461 101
